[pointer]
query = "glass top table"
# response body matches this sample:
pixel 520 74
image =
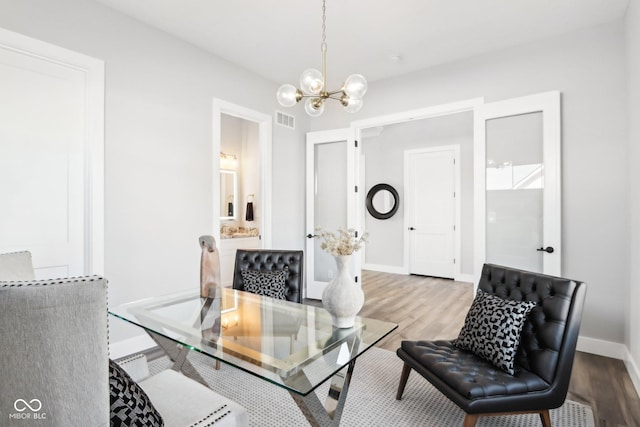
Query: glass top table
pixel 288 344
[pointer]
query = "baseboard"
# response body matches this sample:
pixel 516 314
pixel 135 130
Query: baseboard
pixel 129 346
pixel 602 348
pixel 385 268
pixel 633 370
pixel 468 278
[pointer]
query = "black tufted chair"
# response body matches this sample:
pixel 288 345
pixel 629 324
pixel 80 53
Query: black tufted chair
pixel 269 260
pixel 544 359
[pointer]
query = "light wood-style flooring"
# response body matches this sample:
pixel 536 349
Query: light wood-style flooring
pixel 431 308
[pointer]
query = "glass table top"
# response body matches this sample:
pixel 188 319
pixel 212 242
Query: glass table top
pixel 292 345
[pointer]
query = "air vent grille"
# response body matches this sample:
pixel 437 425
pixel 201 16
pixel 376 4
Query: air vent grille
pixel 285 120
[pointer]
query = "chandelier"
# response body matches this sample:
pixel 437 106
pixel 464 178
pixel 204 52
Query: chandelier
pixel 313 85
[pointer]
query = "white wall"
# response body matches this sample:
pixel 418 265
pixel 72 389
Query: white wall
pixel 384 157
pixel 588 67
pixel 158 126
pixel 633 73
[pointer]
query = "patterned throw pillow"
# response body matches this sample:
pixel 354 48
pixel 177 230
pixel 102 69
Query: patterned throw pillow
pixel 492 329
pixel 130 405
pixel 266 283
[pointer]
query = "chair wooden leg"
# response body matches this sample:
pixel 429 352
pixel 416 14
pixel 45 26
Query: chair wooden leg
pixel 545 418
pixel 406 370
pixel 470 420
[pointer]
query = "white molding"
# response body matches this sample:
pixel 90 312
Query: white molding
pixel 130 346
pixel 467 278
pixel 393 269
pixel 93 70
pixel 602 348
pixel 421 113
pixel 265 125
pixel 634 371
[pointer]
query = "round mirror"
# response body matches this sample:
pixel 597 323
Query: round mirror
pixel 382 201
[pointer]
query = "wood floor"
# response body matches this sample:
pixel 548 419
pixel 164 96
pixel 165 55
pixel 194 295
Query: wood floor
pixel 429 308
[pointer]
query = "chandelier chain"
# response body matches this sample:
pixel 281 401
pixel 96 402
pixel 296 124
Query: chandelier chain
pixel 324 25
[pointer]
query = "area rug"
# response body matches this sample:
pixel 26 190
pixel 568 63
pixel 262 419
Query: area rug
pixel 371 399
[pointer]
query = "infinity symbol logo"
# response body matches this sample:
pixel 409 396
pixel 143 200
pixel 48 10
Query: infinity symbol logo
pixel 37 405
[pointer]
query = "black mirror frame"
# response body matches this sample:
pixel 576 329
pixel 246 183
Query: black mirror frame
pixel 372 210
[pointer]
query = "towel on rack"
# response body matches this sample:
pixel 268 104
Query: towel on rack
pixel 249 215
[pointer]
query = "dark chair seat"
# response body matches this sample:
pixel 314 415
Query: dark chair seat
pixel 453 369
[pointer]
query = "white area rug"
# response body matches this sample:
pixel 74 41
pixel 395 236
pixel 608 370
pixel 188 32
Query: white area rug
pixel 371 399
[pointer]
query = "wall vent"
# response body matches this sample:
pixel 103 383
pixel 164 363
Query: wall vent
pixel 285 120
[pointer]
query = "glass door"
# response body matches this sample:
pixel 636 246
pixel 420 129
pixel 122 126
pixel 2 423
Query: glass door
pixel 330 190
pixel 518 191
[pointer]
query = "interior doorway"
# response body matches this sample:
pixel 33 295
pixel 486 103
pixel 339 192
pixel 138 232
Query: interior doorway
pixel 384 141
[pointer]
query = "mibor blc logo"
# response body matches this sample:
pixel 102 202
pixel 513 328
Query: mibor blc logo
pixel 28 410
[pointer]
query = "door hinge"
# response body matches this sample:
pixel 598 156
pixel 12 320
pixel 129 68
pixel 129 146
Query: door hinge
pixel 454 194
pixel 356 234
pixel 454 227
pixel 356 279
pixel 355 143
pixel 454 260
pixel 356 188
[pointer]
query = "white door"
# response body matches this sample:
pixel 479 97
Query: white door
pixel 431 211
pixel 46 131
pixel 517 195
pixel 331 201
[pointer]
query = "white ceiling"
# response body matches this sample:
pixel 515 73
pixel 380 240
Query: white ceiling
pixel 278 39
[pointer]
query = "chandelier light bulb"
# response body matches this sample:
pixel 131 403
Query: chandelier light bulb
pixel 355 86
pixel 288 95
pixel 351 105
pixel 314 107
pixel 311 81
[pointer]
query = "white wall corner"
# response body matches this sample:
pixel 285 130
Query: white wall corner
pixel 602 348
pixel 130 346
pixel 633 370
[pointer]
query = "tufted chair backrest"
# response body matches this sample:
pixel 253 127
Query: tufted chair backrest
pixel 549 336
pixel 269 260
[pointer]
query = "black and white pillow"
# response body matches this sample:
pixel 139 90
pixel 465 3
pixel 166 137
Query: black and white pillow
pixel 492 329
pixel 266 283
pixel 130 405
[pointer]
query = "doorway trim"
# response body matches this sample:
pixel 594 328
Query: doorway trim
pixel 455 148
pixel 359 126
pixel 265 142
pixel 93 70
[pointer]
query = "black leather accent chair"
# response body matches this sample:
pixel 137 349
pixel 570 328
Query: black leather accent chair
pixel 270 260
pixel 544 359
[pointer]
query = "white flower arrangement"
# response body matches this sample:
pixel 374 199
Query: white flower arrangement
pixel 343 242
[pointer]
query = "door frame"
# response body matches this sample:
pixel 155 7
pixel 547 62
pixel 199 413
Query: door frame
pixel 360 126
pixel 549 104
pixel 93 70
pixel 455 148
pixel 263 121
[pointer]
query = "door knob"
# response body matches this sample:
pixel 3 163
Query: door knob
pixel 311 236
pixel 411 228
pixel 548 250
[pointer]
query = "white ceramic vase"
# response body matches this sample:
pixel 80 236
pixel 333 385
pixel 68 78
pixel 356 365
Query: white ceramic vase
pixel 343 298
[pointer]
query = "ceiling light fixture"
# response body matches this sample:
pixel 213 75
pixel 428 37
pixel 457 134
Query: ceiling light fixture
pixel 313 85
